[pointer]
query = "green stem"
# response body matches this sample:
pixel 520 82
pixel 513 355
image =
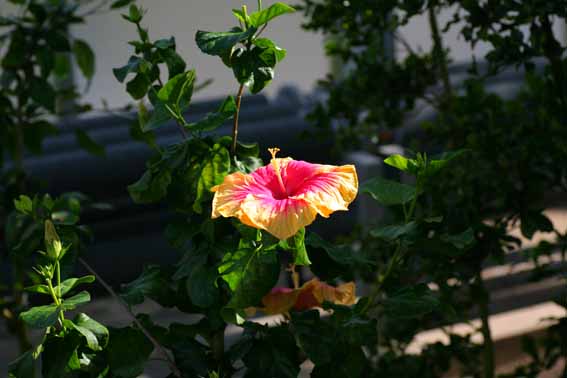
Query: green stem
pixel 259 5
pixel 438 53
pixel 56 296
pixel 58 279
pixel 217 346
pixel 174 369
pixel 236 116
pixel 53 293
pixel 488 348
pixel 398 255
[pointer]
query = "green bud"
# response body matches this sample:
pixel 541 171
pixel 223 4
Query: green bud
pixel 52 241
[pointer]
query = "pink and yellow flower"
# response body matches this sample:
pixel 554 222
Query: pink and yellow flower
pixel 312 294
pixel 285 195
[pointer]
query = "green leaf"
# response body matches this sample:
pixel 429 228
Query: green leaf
pixel 60 357
pixel 95 333
pixel 41 317
pixel 191 357
pixel 70 283
pixel 58 41
pixel 268 351
pixel 462 240
pixel 165 43
pixel 138 87
pixel 175 63
pixel 411 302
pixel 202 287
pixel 75 301
pixel 439 162
pixel 35 133
pixel 134 14
pixel 266 43
pixel 393 232
pixel 46 60
pixel 85 58
pixel 133 65
pixel 251 274
pixel 388 192
pixel 23 366
pixel 214 120
pixel 402 163
pixel 264 16
pixel 24 204
pixel 340 254
pixel 314 336
pixel 214 167
pixel 150 187
pixel 120 3
pixel 221 43
pixel 87 143
pixel 296 245
pixel 152 283
pixel 254 68
pixel 62 68
pixel 159 116
pixel 178 90
pixel 43 94
pixel 128 351
pixel 40 289
pixel 137 127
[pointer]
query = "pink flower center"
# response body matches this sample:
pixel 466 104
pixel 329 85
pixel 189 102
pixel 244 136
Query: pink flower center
pixel 280 191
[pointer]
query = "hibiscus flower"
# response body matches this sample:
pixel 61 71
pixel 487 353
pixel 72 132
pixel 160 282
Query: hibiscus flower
pixel 312 294
pixel 285 195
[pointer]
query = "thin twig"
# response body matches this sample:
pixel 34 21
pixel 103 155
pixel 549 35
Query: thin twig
pixel 95 9
pixel 398 37
pixel 261 31
pixel 146 333
pixel 236 115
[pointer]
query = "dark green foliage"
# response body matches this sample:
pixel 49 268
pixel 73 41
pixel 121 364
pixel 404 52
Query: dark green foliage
pixel 510 155
pixel 267 351
pixel 152 283
pixel 250 274
pixel 335 344
pixel 128 351
pixel 389 192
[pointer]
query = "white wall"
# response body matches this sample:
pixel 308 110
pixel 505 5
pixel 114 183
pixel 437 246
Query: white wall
pixel 109 34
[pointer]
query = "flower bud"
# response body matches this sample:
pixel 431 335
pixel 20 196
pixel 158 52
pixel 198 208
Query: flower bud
pixel 52 242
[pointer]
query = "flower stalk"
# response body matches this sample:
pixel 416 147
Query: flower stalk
pixel 236 116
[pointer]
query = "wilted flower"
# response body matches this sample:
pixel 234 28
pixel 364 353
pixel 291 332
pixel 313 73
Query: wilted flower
pixel 285 195
pixel 312 294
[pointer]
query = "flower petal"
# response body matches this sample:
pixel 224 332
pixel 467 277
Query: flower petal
pixel 343 294
pixel 328 188
pixel 281 218
pixel 230 194
pixel 311 294
pixel 280 300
